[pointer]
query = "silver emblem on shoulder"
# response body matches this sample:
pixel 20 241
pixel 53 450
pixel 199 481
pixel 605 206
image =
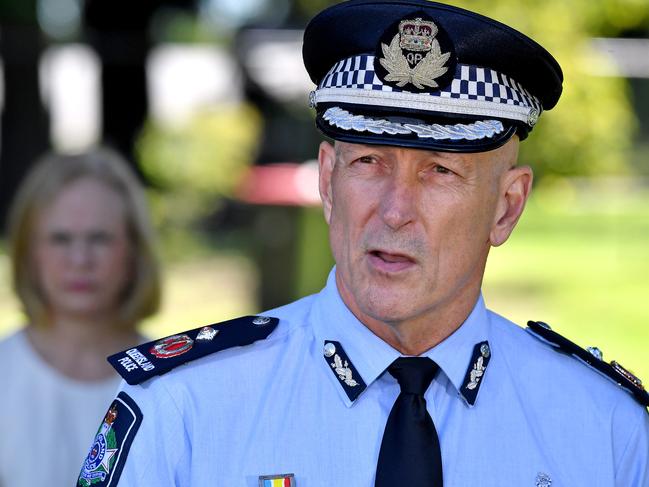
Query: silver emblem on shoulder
pixel 543 480
pixel 206 334
pixel 595 352
pixel 261 320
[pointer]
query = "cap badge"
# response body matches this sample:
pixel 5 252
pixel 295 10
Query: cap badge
pixel 414 55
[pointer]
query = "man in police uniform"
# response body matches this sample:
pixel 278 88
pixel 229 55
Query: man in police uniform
pixel 395 373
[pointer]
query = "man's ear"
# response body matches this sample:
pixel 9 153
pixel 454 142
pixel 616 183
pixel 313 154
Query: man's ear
pixel 515 187
pixel 326 163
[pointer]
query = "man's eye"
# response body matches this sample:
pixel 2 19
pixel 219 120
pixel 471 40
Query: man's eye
pixel 442 170
pixel 367 160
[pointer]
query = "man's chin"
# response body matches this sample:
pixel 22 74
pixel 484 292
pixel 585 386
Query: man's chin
pixel 388 307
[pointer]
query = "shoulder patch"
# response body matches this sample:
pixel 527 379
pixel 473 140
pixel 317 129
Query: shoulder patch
pixel 593 358
pixel 141 363
pixel 105 461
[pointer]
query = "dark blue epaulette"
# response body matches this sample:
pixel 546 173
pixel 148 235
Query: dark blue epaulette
pixel 141 363
pixel 592 357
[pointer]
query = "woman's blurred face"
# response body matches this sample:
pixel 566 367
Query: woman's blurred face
pixel 82 251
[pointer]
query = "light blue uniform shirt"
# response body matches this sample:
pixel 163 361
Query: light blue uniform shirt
pixel 278 406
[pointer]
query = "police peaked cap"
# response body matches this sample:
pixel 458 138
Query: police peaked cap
pixel 421 74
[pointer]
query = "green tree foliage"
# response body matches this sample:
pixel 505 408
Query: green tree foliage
pixel 192 165
pixel 590 131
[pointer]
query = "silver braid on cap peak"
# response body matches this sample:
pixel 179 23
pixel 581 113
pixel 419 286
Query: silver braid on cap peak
pixel 481 129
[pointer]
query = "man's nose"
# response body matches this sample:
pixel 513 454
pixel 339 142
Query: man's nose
pixel 398 202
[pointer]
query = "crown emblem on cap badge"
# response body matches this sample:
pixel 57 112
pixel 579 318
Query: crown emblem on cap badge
pixel 416 37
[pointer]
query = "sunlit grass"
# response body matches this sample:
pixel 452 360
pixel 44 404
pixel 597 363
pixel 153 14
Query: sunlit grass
pixel 579 260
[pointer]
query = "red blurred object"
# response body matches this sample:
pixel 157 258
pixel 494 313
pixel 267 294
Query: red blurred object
pixel 283 184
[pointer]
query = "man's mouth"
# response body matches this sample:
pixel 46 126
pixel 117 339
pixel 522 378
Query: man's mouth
pixel 389 261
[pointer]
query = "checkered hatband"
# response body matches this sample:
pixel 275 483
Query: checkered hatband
pixel 475 91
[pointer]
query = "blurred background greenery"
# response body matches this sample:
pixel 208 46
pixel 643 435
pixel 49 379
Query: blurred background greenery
pixel 579 259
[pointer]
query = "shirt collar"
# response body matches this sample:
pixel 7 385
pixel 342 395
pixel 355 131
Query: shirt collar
pixel 456 355
pixel 369 356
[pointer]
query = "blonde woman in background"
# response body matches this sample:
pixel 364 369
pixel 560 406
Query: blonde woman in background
pixel 85 271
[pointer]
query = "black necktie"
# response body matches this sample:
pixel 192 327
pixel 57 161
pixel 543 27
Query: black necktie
pixel 410 453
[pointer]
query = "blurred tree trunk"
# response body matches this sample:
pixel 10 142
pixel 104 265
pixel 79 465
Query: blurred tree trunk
pixel 25 124
pixel 119 32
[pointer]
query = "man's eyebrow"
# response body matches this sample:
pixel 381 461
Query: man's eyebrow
pixel 439 156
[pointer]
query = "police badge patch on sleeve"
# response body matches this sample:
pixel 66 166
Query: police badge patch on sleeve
pixel 105 461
